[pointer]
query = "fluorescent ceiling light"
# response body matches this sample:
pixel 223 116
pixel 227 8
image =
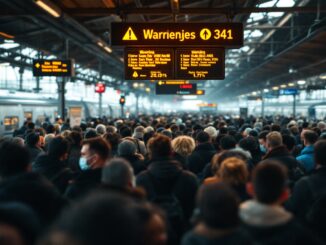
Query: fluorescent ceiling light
pixel 291 84
pixel 6 35
pixel 301 82
pixel 49 7
pixel 275 88
pixel 283 86
pixel 109 50
pixel 322 77
pixel 99 43
pixel 266 90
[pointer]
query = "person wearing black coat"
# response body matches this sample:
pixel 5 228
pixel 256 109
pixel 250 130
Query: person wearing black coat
pixel 311 188
pixel 32 141
pixel 165 176
pixel 202 154
pixel 95 153
pixel 53 165
pixel 278 152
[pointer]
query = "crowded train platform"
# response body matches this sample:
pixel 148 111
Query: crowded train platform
pixel 162 122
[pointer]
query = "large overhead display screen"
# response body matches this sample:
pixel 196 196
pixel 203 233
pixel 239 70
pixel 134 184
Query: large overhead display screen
pixel 149 63
pixel 200 63
pixel 229 35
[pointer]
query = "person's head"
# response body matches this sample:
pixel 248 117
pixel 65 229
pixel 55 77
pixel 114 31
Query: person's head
pixel 91 133
pixel 183 145
pixel 118 173
pixel 218 206
pixel 273 140
pixel 249 144
pixel 32 139
pixel 100 129
pixel 211 131
pixel 139 132
pixel 14 159
pixel 127 148
pixel 18 140
pixel 319 152
pixel 202 137
pixel 309 137
pixel 94 153
pixel 18 224
pixel 101 218
pixel 321 125
pixel 262 140
pixel 58 148
pixel 289 142
pixel 159 146
pixel 75 137
pixel 276 127
pixel 233 171
pixel 111 129
pixel 227 142
pixel 268 184
pixel 125 131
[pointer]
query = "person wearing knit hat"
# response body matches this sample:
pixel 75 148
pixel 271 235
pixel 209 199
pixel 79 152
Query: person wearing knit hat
pixel 100 129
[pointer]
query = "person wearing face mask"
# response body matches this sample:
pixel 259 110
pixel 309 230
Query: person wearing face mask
pixel 262 141
pixel 95 153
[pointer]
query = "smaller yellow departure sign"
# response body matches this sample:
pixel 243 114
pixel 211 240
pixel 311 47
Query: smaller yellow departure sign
pixel 200 63
pixel 57 68
pixel 149 63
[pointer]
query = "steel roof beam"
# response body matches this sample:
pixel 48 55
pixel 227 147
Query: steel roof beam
pixel 187 11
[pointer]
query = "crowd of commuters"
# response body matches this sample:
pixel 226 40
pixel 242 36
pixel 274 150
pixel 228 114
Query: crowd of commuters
pixel 165 179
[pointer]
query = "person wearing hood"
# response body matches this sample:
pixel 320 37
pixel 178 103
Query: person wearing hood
pixel 53 164
pixel 264 217
pixel 165 176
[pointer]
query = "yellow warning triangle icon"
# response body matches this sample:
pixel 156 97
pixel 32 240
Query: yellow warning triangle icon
pixel 135 74
pixel 130 35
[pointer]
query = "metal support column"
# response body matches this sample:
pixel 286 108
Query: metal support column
pixel 122 111
pixel 137 104
pixel 21 74
pixel 100 110
pixel 294 105
pixel 262 105
pixel 62 86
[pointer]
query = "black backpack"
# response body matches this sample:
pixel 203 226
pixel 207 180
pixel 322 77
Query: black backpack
pixel 168 201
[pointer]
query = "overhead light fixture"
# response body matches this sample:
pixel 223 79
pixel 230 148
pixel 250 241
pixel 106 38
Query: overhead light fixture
pixel 49 7
pixel 148 89
pixel 301 82
pixel 291 84
pixel 323 77
pixel 109 50
pixel 6 35
pixel 283 86
pixel 275 88
pixel 121 59
pixel 266 90
pixel 254 93
pixel 99 43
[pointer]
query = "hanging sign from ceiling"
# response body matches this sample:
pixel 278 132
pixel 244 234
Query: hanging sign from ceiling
pixel 228 35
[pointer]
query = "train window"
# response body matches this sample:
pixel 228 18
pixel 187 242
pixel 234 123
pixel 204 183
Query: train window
pixel 11 123
pixel 28 115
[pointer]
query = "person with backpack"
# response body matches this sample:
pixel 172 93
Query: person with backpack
pixel 169 186
pixel 310 191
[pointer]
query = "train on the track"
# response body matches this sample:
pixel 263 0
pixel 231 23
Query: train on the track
pixel 14 111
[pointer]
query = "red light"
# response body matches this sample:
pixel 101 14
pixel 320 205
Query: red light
pixel 100 88
pixel 186 86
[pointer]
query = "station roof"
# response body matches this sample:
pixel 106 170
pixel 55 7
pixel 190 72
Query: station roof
pixel 284 39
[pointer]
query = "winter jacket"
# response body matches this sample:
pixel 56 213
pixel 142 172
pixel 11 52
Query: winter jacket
pixel 136 163
pixel 306 191
pixel 168 172
pixel 85 182
pixel 306 158
pixel 269 224
pixel 200 157
pixel 237 237
pixel 54 170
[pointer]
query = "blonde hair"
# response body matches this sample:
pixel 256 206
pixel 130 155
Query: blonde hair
pixel 274 139
pixel 233 171
pixel 183 145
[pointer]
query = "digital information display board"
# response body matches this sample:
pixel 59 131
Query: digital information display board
pixel 200 63
pixel 145 64
pixel 175 88
pixel 229 35
pixel 289 91
pixel 180 63
pixel 57 68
